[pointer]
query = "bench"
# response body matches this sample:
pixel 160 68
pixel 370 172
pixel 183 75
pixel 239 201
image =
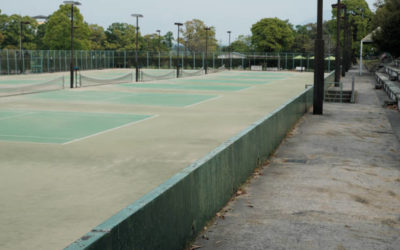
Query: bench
pixel 256 68
pixel 393 73
pixel 300 68
pixel 391 88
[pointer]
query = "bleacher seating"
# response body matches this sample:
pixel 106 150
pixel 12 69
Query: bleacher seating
pixel 393 72
pixel 390 87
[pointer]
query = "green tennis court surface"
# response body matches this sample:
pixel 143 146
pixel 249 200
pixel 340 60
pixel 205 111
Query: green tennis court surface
pixel 226 81
pixel 59 127
pixel 57 184
pixel 150 99
pixel 185 86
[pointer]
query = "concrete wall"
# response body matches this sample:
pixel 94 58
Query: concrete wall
pixel 172 214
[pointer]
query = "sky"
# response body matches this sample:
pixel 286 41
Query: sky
pixel 235 15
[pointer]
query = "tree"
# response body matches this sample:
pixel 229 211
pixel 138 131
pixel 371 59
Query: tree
pixel 360 17
pixel 194 36
pixel 388 19
pixel 97 37
pixel 10 31
pixel 122 36
pixel 272 35
pixel 167 40
pixel 241 44
pixel 58 30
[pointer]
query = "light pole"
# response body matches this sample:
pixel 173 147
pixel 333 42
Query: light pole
pixel 71 68
pixel 230 52
pixel 177 59
pixel 206 66
pixel 319 65
pixel 20 43
pixel 338 62
pixel 137 44
pixel 159 48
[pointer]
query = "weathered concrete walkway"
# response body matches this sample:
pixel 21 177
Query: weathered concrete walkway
pixel 333 184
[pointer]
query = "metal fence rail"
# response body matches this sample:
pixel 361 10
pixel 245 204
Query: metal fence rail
pixel 43 61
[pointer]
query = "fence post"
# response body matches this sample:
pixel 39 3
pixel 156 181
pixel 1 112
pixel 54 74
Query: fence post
pixel 159 60
pixel 183 62
pixel 1 55
pixel 8 63
pixel 15 60
pixel 329 63
pixel 170 60
pixel 147 59
pixel 308 62
pixel 286 67
pixel 194 60
pixel 202 58
pixel 292 60
pixel 279 61
pixel 213 60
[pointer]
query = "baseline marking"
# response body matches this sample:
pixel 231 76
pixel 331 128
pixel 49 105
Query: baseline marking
pixel 109 130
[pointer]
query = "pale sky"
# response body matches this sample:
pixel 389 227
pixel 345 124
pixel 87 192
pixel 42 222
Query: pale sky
pixel 224 15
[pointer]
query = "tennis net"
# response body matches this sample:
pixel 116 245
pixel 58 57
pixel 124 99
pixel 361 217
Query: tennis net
pixel 185 73
pixel 51 85
pixel 216 70
pixel 145 77
pixel 87 81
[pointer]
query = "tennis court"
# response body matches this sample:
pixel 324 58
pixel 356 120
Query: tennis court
pixel 71 158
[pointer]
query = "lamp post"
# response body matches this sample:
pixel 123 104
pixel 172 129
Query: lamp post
pixel 137 44
pixel 159 48
pixel 345 51
pixel 338 61
pixel 206 64
pixel 319 65
pixel 230 53
pixel 71 65
pixel 177 59
pixel 20 43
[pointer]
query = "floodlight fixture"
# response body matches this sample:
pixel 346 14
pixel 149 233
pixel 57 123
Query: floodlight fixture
pixel 206 66
pixel 318 94
pixel 338 6
pixel 230 50
pixel 177 58
pixel 21 23
pixel 72 3
pixel 137 15
pixel 41 17
pixel 137 44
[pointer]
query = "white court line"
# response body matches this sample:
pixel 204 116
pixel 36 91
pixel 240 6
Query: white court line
pixel 247 88
pixel 109 130
pixel 13 116
pixel 208 100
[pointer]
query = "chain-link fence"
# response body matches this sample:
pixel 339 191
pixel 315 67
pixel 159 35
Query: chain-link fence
pixel 41 61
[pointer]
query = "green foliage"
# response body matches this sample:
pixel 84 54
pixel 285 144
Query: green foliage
pixel 387 18
pixel 194 36
pixel 272 35
pixel 97 37
pixel 122 36
pixel 167 40
pixel 58 30
pixel 241 44
pixel 360 17
pixel 10 31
